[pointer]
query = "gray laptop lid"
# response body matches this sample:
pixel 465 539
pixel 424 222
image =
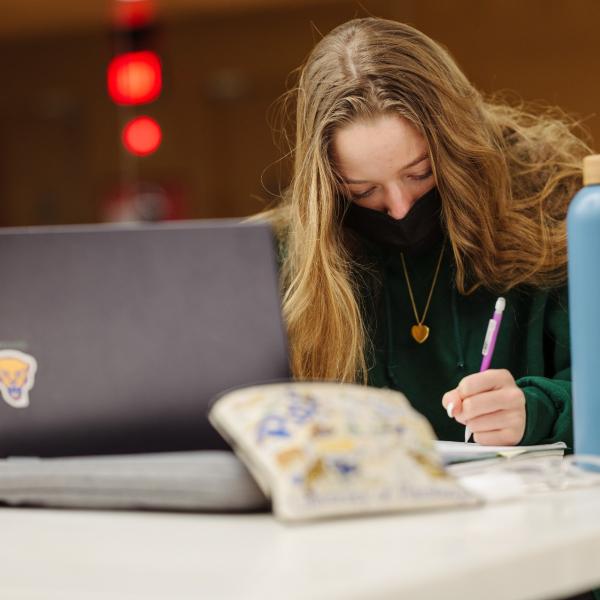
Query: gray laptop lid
pixel 114 339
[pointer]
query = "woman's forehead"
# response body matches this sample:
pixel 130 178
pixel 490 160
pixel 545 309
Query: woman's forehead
pixel 386 142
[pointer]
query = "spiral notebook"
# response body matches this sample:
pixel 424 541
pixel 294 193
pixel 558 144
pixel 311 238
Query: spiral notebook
pixel 463 458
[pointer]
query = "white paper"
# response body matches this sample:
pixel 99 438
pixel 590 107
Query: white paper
pixel 452 452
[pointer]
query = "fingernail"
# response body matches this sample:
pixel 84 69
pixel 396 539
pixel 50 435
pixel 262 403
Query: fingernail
pixel 450 409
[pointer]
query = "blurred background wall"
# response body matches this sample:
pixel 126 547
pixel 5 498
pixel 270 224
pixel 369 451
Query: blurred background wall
pixel 224 64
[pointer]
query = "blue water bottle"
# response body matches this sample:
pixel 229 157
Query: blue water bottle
pixel 583 234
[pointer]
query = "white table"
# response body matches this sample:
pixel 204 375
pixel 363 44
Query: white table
pixel 542 547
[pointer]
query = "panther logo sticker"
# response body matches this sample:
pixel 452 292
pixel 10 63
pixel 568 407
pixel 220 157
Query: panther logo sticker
pixel 17 374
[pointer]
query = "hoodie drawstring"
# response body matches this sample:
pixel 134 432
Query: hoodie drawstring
pixel 461 359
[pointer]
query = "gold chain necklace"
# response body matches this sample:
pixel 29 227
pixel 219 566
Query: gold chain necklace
pixel 420 332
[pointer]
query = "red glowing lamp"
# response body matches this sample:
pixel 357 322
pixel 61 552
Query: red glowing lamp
pixel 142 136
pixel 129 14
pixel 134 78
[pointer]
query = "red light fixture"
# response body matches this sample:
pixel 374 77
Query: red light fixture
pixel 134 75
pixel 133 13
pixel 134 78
pixel 142 136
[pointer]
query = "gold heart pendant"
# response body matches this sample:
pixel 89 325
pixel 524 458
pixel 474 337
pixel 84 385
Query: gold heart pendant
pixel 420 333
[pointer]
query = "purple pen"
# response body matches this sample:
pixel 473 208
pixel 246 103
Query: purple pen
pixel 490 343
pixel 492 333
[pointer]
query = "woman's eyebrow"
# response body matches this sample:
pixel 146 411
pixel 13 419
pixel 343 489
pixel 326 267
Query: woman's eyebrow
pixel 410 164
pixel 415 162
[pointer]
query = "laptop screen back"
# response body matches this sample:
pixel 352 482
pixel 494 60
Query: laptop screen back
pixel 123 334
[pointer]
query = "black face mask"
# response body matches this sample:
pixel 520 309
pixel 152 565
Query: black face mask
pixel 416 232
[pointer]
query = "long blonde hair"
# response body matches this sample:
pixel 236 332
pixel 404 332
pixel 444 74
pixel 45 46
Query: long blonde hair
pixel 505 177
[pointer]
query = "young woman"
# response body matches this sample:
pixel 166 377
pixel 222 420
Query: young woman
pixel 414 204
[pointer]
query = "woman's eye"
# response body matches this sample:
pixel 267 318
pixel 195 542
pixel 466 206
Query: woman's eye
pixel 422 177
pixel 363 195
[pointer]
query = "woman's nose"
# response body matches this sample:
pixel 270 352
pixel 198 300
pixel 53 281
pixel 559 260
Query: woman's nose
pixel 398 202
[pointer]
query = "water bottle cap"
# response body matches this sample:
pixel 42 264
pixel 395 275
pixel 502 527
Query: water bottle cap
pixel 591 169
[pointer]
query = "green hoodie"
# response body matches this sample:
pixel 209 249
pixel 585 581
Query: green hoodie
pixel 532 343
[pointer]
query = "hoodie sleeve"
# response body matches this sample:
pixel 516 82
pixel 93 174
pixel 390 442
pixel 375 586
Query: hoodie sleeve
pixel 548 398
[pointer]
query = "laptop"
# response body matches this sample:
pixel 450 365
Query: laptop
pixel 114 339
